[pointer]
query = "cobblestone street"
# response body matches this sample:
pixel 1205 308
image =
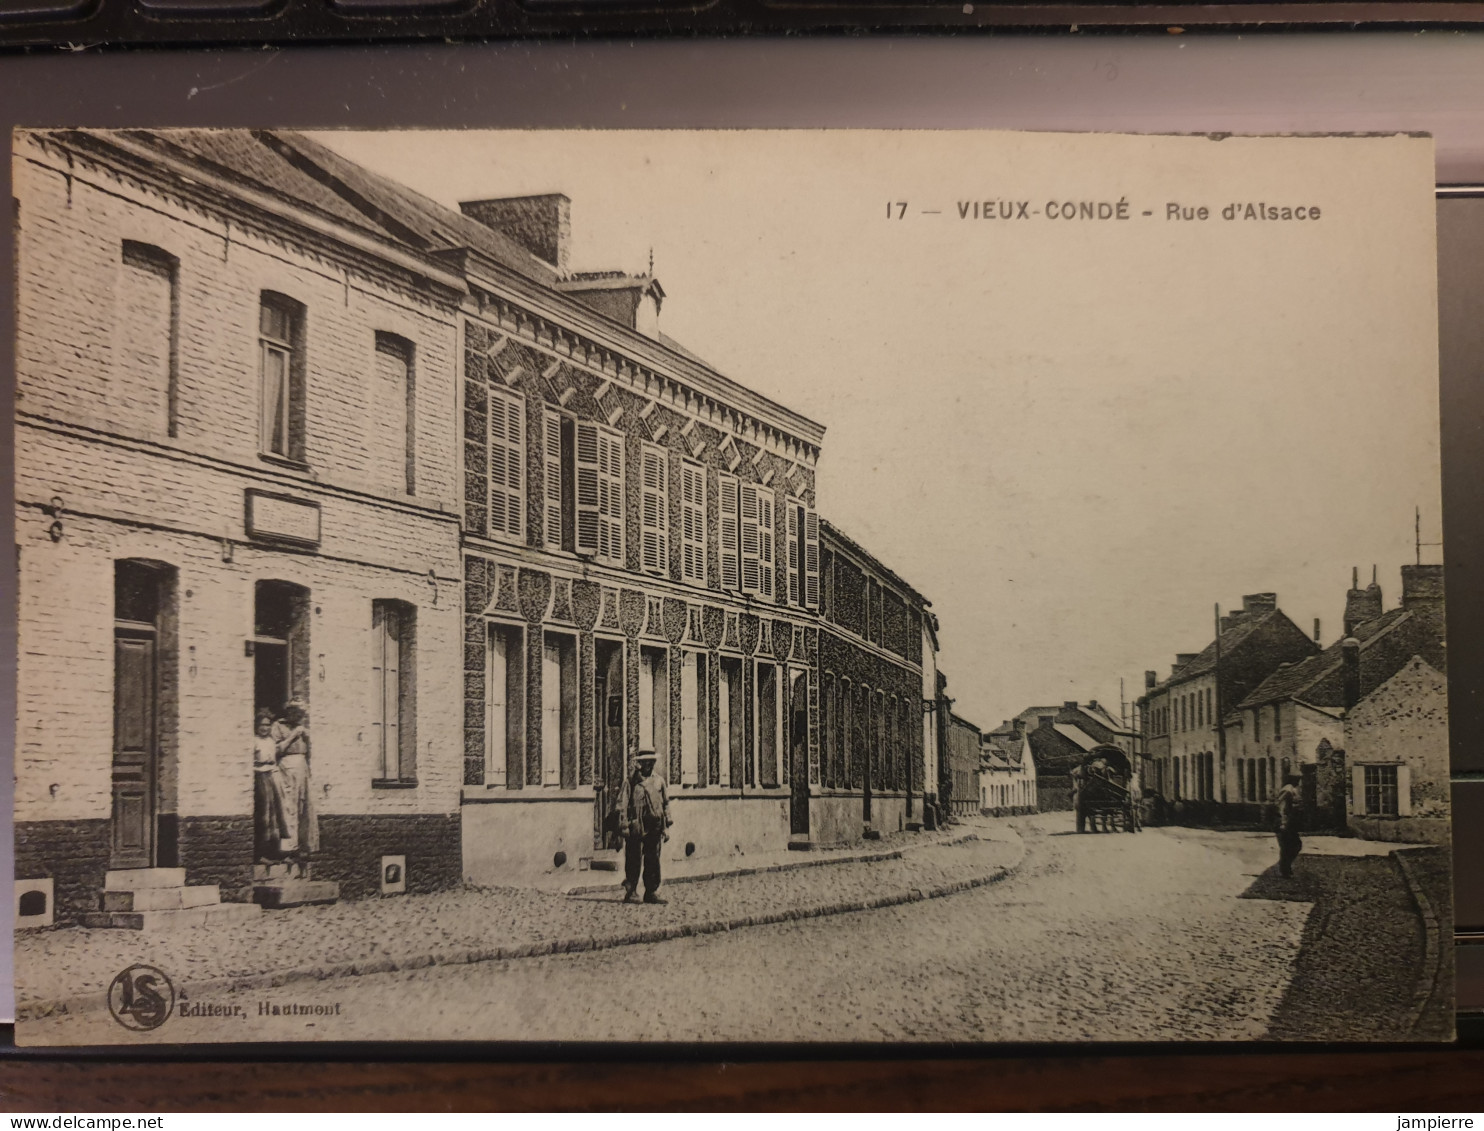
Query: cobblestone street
pixel 1174 934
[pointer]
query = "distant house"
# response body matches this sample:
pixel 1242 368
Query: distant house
pixel 1007 778
pixel 1056 738
pixel 1279 727
pixel 962 778
pixel 1396 750
pixel 1178 717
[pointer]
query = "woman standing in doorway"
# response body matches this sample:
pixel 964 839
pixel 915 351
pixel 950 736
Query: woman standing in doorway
pixel 291 736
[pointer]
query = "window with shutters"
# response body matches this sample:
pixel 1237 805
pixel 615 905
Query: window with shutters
pixel 692 522
pixel 392 411
pixel 599 494
pixel 811 559
pixel 765 529
pixel 793 535
pixel 148 340
pixel 768 703
pixel 281 371
pixel 654 517
pixel 505 690
pixel 394 683
pixel 730 531
pixel 507 431
pixel 654 705
pixel 1380 791
pixel 731 713
pixel 551 462
pixel 694 716
pixel 558 708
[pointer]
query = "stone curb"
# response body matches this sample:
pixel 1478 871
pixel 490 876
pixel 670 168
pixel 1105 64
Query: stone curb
pixel 35 1010
pixel 1432 931
pixel 789 866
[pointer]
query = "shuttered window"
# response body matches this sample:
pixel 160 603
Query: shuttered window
pixel 599 493
pixel 655 515
pixel 552 501
pixel 393 625
pixel 147 340
pixel 507 460
pixel 765 540
pixel 747 497
pixel 793 536
pixel 811 559
pixel 730 531
pixel 693 522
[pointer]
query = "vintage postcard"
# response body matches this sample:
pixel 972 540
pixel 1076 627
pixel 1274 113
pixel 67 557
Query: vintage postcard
pixel 728 586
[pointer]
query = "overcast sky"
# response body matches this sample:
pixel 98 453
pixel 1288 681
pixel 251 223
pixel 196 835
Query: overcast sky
pixel 1073 437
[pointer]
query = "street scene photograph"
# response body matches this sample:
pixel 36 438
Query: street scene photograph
pixel 728 586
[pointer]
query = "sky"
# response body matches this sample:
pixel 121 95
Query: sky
pixel 1074 437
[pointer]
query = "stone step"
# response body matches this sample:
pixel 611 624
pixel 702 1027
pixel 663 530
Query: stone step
pixel 265 872
pixel 606 861
pixel 277 894
pixel 162 899
pixel 137 879
pixel 180 919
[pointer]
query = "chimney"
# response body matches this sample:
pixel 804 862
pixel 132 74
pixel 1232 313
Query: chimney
pixel 1183 658
pixel 1361 605
pixel 1092 704
pixel 540 224
pixel 1317 638
pixel 1421 583
pixel 1259 603
pixel 1069 705
pixel 1350 655
pixel 1044 720
pixel 634 300
pixel 1150 679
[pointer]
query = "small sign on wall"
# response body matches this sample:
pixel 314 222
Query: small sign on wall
pixel 393 875
pixel 282 518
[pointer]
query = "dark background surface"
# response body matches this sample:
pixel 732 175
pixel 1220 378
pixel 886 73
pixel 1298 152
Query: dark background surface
pixel 1431 82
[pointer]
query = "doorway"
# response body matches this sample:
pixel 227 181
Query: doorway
pixel 280 645
pixel 798 747
pixel 140 598
pixel 608 757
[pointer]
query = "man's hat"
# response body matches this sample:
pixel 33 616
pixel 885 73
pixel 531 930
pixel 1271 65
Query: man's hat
pixel 646 756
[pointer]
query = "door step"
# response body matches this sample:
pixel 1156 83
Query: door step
pixel 280 893
pixel 211 915
pixel 605 861
pixel 162 899
pixel 137 879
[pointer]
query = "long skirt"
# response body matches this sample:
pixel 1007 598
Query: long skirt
pixel 301 835
pixel 268 813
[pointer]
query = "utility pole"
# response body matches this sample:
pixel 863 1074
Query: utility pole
pixel 1220 709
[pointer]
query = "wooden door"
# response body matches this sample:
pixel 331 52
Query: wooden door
pixel 135 719
pixel 608 758
pixel 798 753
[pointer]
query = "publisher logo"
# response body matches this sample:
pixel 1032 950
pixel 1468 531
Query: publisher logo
pixel 141 998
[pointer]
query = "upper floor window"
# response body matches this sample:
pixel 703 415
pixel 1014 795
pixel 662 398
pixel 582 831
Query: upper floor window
pixel 281 345
pixel 148 339
pixel 392 408
pixel 692 522
pixel 558 458
pixel 507 459
pixel 756 510
pixel 1277 720
pixel 655 514
pixel 599 495
pixel 801 556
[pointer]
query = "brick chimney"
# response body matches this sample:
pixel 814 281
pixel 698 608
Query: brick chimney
pixel 1259 603
pixel 1044 720
pixel 1317 638
pixel 1150 679
pixel 540 224
pixel 1350 658
pixel 1361 605
pixel 1183 658
pixel 1422 584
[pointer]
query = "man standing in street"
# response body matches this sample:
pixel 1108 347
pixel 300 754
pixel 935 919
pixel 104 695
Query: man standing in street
pixel 644 817
pixel 1289 844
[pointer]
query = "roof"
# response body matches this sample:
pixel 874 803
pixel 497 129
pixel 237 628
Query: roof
pixel 856 549
pixel 1307 679
pixel 1076 735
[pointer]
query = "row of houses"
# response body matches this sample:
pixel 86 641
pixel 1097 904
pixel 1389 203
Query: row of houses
pixel 1362 721
pixel 288 431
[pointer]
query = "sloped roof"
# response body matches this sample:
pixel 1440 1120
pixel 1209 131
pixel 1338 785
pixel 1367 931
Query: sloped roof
pixel 1232 639
pixel 1317 680
pixel 1076 735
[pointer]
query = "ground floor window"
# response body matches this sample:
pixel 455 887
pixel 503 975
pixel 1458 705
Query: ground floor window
pixel 1381 791
pixel 394 690
pixel 654 705
pixel 768 707
pixel 504 705
pixel 695 716
pixel 730 717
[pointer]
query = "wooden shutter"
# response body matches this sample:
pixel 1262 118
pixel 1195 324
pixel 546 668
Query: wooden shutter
pixel 497 673
pixel 655 515
pixel 551 711
pixel 553 462
pixel 811 559
pixel 794 534
pixel 1357 789
pixel 591 489
pixel 690 731
pixel 1404 791
pixel 693 522
pixel 747 498
pixel 610 495
pixel 731 577
pixel 386 680
pixel 507 456
pixel 765 542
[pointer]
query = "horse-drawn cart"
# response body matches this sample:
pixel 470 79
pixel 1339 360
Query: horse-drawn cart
pixel 1103 792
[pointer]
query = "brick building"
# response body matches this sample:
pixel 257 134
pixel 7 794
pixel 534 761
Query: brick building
pixel 1056 739
pixel 289 430
pixel 234 486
